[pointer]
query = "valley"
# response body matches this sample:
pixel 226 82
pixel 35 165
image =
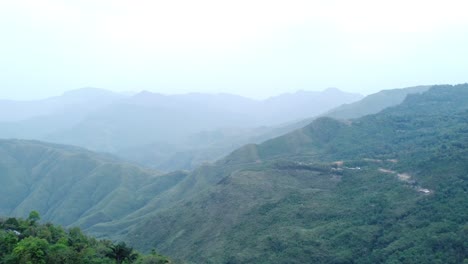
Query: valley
pixel 165 132
pixel 382 187
pixel 233 132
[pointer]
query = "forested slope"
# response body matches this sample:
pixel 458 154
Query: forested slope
pixel 73 186
pixel 389 187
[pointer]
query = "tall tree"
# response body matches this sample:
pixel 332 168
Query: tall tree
pixel 121 252
pixel 33 217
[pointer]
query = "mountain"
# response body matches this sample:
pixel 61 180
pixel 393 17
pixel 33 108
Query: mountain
pixel 169 132
pixel 145 119
pixel 374 103
pixel 174 134
pixel 370 104
pixel 183 131
pixel 384 188
pixel 202 147
pixel 86 98
pixel 73 186
pixel 305 104
pixel 208 146
pixel 37 119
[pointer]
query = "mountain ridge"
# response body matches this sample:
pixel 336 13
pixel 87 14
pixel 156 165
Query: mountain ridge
pixel 392 176
pixel 384 187
pixel 169 126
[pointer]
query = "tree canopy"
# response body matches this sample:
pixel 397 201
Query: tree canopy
pixel 26 241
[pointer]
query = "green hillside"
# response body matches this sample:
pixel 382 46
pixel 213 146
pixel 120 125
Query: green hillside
pixel 73 186
pixel 27 241
pixel 374 103
pixel 385 188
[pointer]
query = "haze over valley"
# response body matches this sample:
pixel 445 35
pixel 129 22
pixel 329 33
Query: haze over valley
pixel 166 132
pixel 388 150
pixel 217 132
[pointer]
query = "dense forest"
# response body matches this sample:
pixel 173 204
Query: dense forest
pixel 25 241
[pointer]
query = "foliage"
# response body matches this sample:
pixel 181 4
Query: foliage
pixel 34 217
pixel 288 201
pixel 48 243
pixel 43 176
pixel 384 188
pixel 121 252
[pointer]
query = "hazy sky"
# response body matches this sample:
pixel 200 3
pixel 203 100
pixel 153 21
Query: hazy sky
pixel 253 48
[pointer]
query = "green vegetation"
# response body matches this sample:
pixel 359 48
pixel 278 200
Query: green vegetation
pixel 71 186
pixel 161 131
pixel 385 188
pixel 24 241
pixel 374 103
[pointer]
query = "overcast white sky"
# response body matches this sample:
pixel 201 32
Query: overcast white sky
pixel 255 48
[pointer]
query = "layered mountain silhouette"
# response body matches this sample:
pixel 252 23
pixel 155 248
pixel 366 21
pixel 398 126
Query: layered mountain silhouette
pixel 369 190
pixel 37 119
pixel 165 132
pixel 384 187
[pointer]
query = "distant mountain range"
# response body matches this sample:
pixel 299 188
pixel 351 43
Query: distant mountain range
pixel 166 132
pixel 82 100
pixel 386 187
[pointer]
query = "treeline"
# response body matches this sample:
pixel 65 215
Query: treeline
pixel 25 241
